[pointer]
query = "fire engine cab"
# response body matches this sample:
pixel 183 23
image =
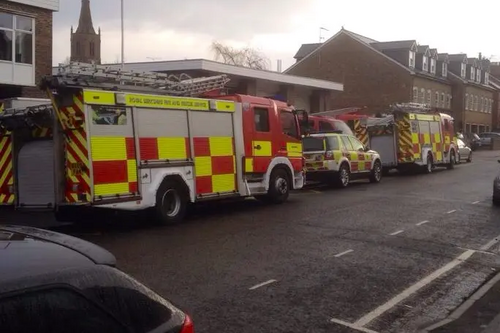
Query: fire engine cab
pixel 131 141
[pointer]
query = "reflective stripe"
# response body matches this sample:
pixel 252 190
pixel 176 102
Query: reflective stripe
pixel 164 148
pixel 6 171
pixel 99 97
pixel 265 148
pixel 108 148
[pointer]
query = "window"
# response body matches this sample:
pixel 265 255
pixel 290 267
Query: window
pixel 422 96
pixel 108 115
pixel 412 59
pixel 55 311
pixel 429 97
pixel 342 126
pixel 289 124
pixel 461 144
pixel 436 99
pixel 16 38
pixel 472 73
pixel 478 76
pixel 445 69
pixel 346 143
pixel 466 101
pixel 261 119
pixel 476 103
pixel 325 126
pixel 91 48
pixel 442 104
pixel 481 104
pixel 356 144
pixel 415 94
pixel 333 143
pixel 312 143
pixel 463 70
pixel 448 101
pixel 486 78
pixel 425 63
pixel 433 66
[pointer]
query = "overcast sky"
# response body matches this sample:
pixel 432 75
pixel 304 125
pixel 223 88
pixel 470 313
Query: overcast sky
pixel 184 29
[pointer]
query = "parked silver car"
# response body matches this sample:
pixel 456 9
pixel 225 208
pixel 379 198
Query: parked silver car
pixel 464 152
pixel 487 136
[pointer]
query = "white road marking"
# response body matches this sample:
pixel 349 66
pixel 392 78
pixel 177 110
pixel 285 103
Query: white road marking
pixel 366 319
pixel 396 233
pixel 343 253
pixel 476 202
pixel 423 222
pixel 451 211
pixel 355 327
pixel 477 251
pixel 262 284
pixel 490 244
pixel 314 191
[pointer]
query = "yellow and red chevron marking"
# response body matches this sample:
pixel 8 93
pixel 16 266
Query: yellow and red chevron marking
pixel 6 171
pixel 72 120
pixel 360 132
pixel 405 144
pixel 42 133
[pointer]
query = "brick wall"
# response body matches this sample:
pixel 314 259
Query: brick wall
pixel 369 78
pixel 43 42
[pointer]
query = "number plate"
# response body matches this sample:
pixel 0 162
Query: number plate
pixel 76 168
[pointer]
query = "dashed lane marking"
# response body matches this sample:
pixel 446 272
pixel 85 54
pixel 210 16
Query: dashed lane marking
pixel 422 222
pixel 354 327
pixel 343 253
pixel 366 319
pixel 262 284
pixel 451 211
pixel 396 232
pixel 476 202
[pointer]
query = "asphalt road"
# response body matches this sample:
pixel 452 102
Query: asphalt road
pixel 392 257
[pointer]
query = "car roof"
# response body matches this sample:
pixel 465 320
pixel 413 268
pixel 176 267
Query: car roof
pixel 27 251
pixel 321 135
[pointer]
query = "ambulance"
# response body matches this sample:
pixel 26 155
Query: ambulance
pixel 413 136
pixel 131 141
pixel 25 152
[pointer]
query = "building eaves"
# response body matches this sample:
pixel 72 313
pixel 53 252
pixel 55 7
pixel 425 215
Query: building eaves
pixel 394 45
pixel 305 49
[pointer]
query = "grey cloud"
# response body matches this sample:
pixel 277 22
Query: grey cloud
pixel 222 19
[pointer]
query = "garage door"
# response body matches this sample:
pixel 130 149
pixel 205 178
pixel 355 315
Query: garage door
pixel 35 174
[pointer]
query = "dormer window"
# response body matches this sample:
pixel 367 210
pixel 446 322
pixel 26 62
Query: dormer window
pixel 478 76
pixel 433 66
pixel 412 59
pixel 472 74
pixel 486 78
pixel 445 69
pixel 463 70
pixel 425 63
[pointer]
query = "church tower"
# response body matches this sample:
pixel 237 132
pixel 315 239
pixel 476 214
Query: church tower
pixel 85 42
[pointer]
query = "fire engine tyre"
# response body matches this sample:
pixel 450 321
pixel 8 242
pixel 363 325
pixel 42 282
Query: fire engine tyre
pixel 376 173
pixel 279 187
pixel 469 159
pixel 453 160
pixel 343 176
pixel 429 166
pixel 171 202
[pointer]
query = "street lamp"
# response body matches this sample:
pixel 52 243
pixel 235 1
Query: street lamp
pixel 123 35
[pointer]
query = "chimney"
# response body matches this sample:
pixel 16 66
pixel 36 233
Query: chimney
pixel 279 63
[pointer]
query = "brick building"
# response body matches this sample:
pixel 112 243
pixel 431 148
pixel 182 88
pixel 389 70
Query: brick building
pixel 495 115
pixel 376 74
pixel 25 45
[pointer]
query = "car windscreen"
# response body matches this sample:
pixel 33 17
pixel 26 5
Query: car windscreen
pixel 341 126
pixel 313 144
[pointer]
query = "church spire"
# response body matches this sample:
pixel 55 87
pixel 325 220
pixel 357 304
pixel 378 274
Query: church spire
pixel 85 25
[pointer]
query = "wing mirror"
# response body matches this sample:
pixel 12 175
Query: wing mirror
pixel 367 148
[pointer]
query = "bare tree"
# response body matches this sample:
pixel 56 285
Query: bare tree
pixel 246 57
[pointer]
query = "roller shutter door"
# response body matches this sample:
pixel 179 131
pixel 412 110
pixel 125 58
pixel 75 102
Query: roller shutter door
pixel 35 174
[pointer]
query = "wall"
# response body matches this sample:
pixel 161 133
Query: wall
pixel 478 117
pixel 43 42
pixel 370 79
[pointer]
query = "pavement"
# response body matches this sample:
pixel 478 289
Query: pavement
pixel 395 257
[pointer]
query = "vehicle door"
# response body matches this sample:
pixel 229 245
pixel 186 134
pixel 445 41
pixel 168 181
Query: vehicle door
pixel 485 139
pixel 290 140
pixel 261 141
pixel 363 158
pixel 349 152
pixel 463 150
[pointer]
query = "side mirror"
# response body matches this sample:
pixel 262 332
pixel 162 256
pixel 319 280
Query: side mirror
pixel 367 148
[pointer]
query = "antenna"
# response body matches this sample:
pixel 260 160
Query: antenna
pixel 321 38
pixel 78 74
pixel 279 64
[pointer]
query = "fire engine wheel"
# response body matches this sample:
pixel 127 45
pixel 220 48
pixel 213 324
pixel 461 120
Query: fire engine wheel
pixel 453 160
pixel 469 159
pixel 171 202
pixel 343 176
pixel 429 166
pixel 279 188
pixel 376 173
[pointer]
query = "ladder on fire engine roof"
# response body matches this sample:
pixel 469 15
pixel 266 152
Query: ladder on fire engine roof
pixel 31 117
pixel 411 107
pixel 92 75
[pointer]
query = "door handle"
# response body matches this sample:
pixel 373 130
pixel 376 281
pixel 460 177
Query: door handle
pixel 258 147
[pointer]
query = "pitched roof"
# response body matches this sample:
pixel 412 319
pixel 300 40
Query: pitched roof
pixel 305 49
pixel 422 48
pixel 394 45
pixel 494 82
pixel 85 25
pixel 364 39
pixel 443 56
pixel 457 57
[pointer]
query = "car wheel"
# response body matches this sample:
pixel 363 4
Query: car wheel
pixel 453 160
pixel 343 176
pixel 376 173
pixel 469 159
